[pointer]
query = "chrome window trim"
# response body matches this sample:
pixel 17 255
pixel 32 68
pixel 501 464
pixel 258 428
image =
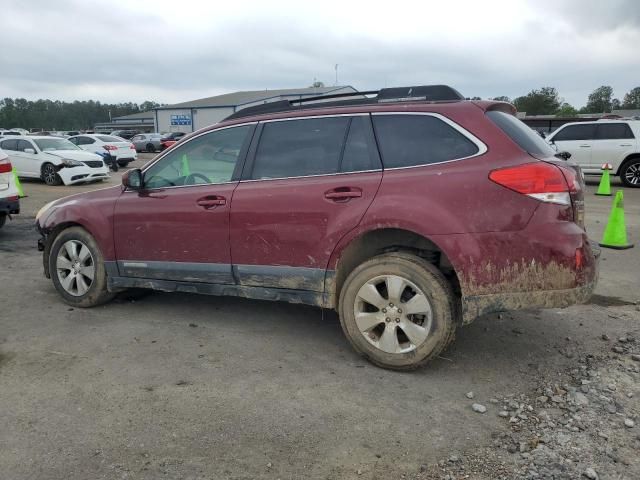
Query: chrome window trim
pixel 311 117
pixel 166 152
pixel 482 147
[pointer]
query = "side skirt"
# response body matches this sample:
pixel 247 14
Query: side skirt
pixel 306 297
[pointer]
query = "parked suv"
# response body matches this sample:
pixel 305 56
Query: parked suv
pixel 9 197
pixel 411 213
pixel 592 144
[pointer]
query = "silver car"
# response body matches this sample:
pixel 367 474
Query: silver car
pixel 147 142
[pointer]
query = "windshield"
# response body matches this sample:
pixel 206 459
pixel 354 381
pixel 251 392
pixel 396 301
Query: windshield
pixel 48 144
pixel 526 138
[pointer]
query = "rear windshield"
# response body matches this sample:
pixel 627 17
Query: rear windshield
pixel 526 138
pixel 107 138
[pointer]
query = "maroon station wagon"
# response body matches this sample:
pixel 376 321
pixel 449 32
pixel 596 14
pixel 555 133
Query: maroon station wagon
pixel 410 211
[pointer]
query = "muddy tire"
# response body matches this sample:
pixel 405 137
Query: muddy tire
pixel 77 269
pixel 398 311
pixel 49 175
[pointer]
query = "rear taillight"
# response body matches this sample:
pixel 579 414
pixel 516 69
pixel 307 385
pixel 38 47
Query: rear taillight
pixel 575 180
pixel 540 180
pixel 132 146
pixel 109 147
pixel 5 166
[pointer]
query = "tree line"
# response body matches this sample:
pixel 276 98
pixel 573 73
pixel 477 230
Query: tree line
pixel 78 115
pixel 547 101
pixel 58 115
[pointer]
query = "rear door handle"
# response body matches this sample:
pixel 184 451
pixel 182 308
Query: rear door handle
pixel 211 201
pixel 343 194
pixel 585 146
pixel 625 145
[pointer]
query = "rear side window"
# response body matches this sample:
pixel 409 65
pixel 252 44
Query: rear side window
pixel 22 144
pixel 613 131
pixel 298 148
pixel 576 132
pixel 107 138
pixel 410 140
pixel 523 136
pixel 9 145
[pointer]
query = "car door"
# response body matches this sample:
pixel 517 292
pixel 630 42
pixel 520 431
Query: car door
pixel 577 139
pixel 30 157
pixel 87 143
pixel 177 226
pixel 307 182
pixel 614 142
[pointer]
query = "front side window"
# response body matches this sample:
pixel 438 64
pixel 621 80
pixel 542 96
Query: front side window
pixel 613 131
pixel 22 144
pixel 108 138
pixel 209 158
pixel 299 148
pixel 85 141
pixel 576 132
pixel 411 140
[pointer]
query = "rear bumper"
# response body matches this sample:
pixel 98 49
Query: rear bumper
pixel 10 207
pixel 478 305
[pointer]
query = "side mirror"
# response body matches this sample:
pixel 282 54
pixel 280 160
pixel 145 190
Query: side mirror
pixel 132 179
pixel 29 150
pixel 563 155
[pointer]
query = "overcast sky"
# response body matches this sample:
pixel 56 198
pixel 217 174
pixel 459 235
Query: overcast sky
pixel 173 51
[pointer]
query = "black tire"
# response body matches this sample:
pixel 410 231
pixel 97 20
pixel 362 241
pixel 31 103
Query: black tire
pixel 630 173
pixel 151 148
pixel 97 293
pixel 3 219
pixel 123 163
pixel 435 288
pixel 49 175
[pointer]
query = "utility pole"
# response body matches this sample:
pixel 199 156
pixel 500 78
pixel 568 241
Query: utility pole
pixel 336 68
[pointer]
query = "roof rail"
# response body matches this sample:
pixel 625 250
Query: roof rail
pixel 428 93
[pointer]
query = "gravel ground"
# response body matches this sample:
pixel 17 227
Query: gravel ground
pixel 193 387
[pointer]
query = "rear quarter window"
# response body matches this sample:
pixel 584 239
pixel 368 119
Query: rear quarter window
pixel 412 140
pixel 523 136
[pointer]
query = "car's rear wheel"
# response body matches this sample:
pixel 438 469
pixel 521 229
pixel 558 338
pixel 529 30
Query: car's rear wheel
pixel 50 175
pixel 123 163
pixel 630 173
pixel 151 148
pixel 3 219
pixel 398 310
pixel 77 269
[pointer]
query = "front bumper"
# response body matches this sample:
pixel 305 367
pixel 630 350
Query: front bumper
pixel 75 175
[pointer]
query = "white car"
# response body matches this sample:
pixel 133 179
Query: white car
pixel 9 199
pixel 54 160
pixel 118 148
pixel 592 144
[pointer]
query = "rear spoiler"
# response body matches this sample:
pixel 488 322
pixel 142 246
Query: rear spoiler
pixel 490 105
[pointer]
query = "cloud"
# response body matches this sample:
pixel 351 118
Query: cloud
pixel 134 51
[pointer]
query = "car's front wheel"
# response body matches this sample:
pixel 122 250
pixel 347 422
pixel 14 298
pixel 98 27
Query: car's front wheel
pixel 123 163
pixel 630 173
pixel 398 310
pixel 151 148
pixel 50 175
pixel 3 219
pixel 77 268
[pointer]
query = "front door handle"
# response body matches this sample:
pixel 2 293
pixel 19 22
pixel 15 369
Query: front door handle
pixel 625 145
pixel 211 201
pixel 343 194
pixel 585 146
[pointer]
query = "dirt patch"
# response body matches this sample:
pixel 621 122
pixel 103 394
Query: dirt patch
pixel 5 358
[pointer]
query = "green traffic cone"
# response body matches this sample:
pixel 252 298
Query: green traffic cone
pixel 615 234
pixel 18 184
pixel 605 184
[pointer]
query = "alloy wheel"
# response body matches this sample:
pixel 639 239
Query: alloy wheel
pixel 75 267
pixel 393 314
pixel 632 174
pixel 49 174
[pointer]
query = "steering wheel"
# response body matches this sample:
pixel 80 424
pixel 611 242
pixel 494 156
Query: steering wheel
pixel 192 176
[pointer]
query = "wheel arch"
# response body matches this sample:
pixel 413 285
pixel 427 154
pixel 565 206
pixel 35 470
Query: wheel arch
pixel 628 158
pixel 51 236
pixel 374 242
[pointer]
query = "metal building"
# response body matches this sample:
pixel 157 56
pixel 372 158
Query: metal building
pixel 190 116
